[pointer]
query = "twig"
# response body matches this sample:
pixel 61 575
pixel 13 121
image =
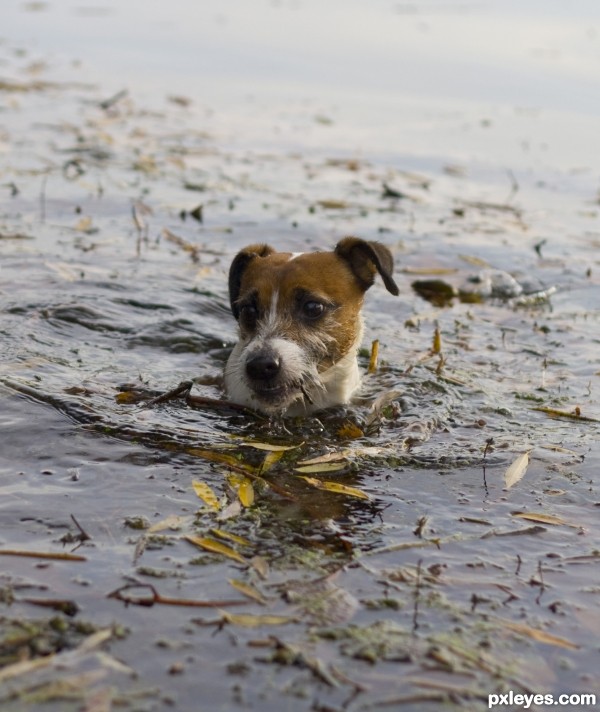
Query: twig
pixel 519 562
pixel 153 598
pixel 83 535
pixel 542 584
pixel 55 556
pixel 112 100
pixel 417 596
pixel 183 388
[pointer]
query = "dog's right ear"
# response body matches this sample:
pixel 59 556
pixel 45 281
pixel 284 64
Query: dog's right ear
pixel 237 269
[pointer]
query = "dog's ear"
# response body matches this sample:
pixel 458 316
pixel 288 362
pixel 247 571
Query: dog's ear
pixel 237 269
pixel 366 258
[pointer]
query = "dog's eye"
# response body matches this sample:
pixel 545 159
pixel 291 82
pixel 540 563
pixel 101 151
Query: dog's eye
pixel 249 314
pixel 313 310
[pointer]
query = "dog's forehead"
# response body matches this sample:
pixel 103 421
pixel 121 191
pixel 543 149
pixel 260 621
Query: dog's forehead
pixel 320 273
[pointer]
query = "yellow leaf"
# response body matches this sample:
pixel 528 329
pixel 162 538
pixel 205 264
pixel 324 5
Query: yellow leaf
pixel 373 358
pixel 575 415
pixel 250 621
pixel 436 346
pixel 322 467
pixel 271 458
pixel 246 493
pixel 516 470
pixel 220 457
pixel 350 431
pixel 216 548
pixel 235 479
pixel 248 591
pixel 543 518
pixel 336 487
pixel 222 534
pixel 204 492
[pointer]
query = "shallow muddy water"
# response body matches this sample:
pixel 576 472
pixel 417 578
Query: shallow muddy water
pixel 424 560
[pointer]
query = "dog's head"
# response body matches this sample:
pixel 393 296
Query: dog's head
pixel 300 324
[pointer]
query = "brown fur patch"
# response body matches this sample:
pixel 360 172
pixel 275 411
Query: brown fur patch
pixel 325 276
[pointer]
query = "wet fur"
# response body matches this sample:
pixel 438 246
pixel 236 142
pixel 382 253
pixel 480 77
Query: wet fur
pixel 318 366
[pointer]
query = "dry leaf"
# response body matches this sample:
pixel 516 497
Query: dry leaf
pixel 543 518
pixel 336 487
pixel 540 635
pixel 246 493
pixel 205 493
pixel 172 522
pixel 516 470
pixel 222 534
pixel 436 346
pixel 271 458
pixel 329 457
pixel 216 548
pixel 270 447
pixel 373 358
pixel 250 621
pixel 322 467
pixel 248 591
pixel 349 431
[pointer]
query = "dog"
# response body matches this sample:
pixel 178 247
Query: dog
pixel 300 324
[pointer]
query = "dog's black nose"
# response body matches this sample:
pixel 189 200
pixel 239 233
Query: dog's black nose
pixel 263 367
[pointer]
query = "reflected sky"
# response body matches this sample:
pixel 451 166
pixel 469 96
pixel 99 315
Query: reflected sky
pixel 535 54
pixel 409 77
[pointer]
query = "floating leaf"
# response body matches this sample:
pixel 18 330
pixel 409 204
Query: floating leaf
pixel 516 470
pixel 231 510
pixel 436 346
pixel 250 621
pixel 205 493
pixel 84 225
pixel 246 493
pixel 220 457
pixel 248 591
pixel 271 458
pixel 322 467
pixel 216 547
pixel 270 447
pixel 373 358
pixel 541 636
pixel 477 261
pixel 332 204
pixel 328 457
pixel 260 565
pixel 222 534
pixel 172 522
pixel 544 518
pixel 575 415
pixel 336 487
pixel 350 431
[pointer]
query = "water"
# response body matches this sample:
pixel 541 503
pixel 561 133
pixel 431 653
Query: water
pixel 259 112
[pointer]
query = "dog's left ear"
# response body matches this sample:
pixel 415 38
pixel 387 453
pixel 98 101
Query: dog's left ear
pixel 366 259
pixel 237 269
